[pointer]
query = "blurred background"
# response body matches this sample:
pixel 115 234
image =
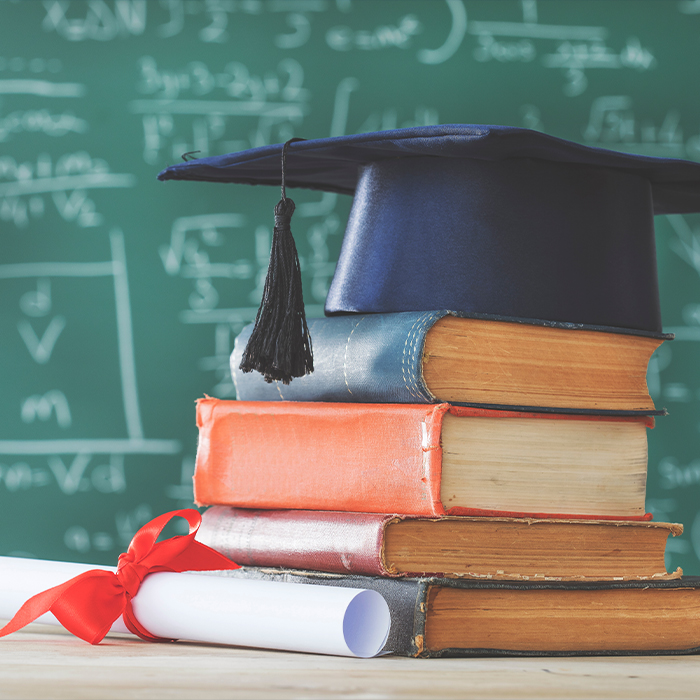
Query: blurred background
pixel 120 296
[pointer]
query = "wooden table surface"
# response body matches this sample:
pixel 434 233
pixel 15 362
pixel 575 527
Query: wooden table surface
pixel 46 662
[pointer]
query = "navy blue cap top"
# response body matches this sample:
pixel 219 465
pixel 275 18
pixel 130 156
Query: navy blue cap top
pixel 483 219
pixel 331 164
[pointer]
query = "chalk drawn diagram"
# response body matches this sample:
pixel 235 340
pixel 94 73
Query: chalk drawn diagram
pixel 40 407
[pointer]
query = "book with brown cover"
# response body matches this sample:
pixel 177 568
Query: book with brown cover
pixel 460 617
pixel 419 459
pixel 379 544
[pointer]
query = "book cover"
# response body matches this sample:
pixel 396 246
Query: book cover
pixel 419 459
pixel 486 361
pixel 379 544
pixel 456 617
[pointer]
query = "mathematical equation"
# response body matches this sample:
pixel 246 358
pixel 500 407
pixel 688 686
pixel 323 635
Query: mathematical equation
pixel 574 50
pixel 26 187
pixel 180 101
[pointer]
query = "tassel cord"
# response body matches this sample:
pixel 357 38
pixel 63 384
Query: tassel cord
pixel 279 346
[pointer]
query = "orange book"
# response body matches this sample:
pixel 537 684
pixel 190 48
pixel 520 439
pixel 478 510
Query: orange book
pixel 429 460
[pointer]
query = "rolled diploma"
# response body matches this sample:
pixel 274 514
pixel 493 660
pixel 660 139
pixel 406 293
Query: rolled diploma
pixel 221 610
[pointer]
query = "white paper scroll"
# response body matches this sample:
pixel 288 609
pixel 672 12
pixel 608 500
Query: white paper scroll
pixel 266 614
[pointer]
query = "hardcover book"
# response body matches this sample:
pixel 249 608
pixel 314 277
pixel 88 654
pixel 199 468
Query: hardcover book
pixel 419 459
pixel 458 617
pixel 379 544
pixel 438 356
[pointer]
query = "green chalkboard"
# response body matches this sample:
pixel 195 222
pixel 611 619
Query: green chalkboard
pixel 120 296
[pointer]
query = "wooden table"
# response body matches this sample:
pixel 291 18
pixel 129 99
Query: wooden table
pixel 46 662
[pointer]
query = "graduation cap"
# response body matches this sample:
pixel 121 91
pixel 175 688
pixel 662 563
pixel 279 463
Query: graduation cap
pixel 475 219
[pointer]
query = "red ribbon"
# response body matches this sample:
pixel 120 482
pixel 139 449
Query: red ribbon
pixel 89 604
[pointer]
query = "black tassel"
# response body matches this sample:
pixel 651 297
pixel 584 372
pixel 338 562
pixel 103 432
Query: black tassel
pixel 280 345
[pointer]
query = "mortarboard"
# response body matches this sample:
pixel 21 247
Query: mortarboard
pixel 483 220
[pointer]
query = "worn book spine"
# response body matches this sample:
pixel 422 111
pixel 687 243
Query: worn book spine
pixel 374 458
pixel 409 606
pixel 355 543
pixel 320 456
pixel 332 541
pixel 368 358
pixel 376 358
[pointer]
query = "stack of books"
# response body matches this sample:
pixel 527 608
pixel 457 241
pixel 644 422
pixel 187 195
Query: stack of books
pixel 486 475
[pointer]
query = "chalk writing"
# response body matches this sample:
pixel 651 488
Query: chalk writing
pixel 25 185
pixel 686 243
pixel 76 474
pixel 36 65
pixel 675 476
pixel 43 407
pixel 216 14
pixel 574 58
pixel 677 391
pixel 490 49
pixel 40 343
pixel 400 36
pixel 70 479
pixel 40 121
pixel 186 235
pixel 41 88
pixel 41 348
pixel 124 446
pixel 129 522
pixel 21 477
pixel 234 80
pixel 96 19
pixel 178 119
pixel 454 37
pixel 613 124
pixel 576 49
pixel 78 539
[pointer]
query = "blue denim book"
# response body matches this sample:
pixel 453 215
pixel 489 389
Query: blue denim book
pixel 475 360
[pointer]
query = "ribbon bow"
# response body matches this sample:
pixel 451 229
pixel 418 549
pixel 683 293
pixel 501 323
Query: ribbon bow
pixel 87 605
